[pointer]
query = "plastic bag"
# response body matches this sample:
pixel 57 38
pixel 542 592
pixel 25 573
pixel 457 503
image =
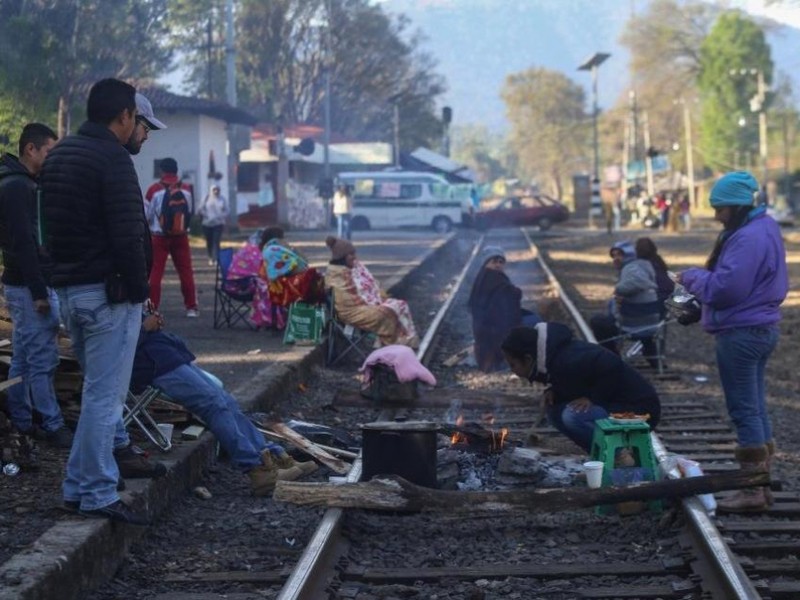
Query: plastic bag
pixel 680 465
pixel 683 306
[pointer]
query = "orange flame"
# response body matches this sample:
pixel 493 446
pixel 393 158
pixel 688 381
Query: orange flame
pixel 498 440
pixel 458 438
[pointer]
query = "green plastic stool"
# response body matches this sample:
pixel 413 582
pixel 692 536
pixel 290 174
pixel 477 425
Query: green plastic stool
pixel 610 436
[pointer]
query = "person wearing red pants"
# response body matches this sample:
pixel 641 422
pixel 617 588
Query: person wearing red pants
pixel 168 205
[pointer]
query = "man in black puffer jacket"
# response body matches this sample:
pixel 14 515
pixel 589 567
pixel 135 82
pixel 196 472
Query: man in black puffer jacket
pixel 95 233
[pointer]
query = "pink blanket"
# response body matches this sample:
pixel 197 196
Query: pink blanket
pixel 404 362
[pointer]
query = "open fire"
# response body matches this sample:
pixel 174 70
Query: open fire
pixel 476 437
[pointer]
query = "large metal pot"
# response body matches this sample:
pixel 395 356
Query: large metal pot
pixel 407 449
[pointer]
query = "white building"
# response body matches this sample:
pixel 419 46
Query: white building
pixel 196 134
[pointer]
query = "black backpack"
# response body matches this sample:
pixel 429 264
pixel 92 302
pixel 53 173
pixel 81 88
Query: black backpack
pixel 175 212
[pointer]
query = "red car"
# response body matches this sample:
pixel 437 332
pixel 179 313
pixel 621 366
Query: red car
pixel 538 211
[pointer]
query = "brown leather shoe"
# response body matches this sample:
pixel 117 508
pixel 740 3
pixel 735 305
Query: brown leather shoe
pixel 748 499
pixel 284 461
pixel 262 480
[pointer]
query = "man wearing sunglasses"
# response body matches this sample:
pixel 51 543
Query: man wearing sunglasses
pixel 96 235
pixel 145 123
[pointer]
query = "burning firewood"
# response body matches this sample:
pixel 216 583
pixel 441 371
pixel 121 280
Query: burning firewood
pixel 397 494
pixel 475 437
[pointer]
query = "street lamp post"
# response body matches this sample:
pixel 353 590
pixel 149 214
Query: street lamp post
pixel 591 64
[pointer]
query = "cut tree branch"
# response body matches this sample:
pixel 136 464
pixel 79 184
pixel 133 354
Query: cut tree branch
pixel 396 494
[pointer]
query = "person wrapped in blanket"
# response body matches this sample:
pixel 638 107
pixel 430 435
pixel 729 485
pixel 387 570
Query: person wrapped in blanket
pixel 276 274
pixel 360 302
pixel 289 277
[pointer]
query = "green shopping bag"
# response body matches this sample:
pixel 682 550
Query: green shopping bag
pixel 304 324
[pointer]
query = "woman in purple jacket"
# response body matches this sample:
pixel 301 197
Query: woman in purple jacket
pixel 741 289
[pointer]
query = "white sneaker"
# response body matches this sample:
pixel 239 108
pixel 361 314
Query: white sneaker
pixel 192 313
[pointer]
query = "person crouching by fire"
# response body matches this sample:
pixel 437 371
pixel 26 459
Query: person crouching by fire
pixel 585 382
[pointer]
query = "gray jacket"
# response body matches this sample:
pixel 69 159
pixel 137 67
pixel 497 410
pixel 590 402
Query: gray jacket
pixel 637 282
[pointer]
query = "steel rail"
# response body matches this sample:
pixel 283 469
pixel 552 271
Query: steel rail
pixel 427 341
pixel 573 311
pixel 305 581
pixel 729 580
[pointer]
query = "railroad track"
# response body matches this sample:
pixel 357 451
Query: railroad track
pixel 565 555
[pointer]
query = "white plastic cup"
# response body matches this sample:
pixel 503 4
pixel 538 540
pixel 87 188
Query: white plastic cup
pixel 594 473
pixel 166 430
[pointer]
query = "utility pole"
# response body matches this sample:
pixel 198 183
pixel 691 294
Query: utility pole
pixel 758 104
pixel 687 132
pixel 230 93
pixel 396 125
pixel 326 165
pixel 762 124
pixel 648 161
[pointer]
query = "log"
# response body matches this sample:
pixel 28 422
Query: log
pixel 306 445
pixel 396 494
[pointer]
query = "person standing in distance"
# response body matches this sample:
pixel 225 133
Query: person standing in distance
pixel 96 238
pixel 342 208
pixel 214 211
pixel 33 306
pixel 168 206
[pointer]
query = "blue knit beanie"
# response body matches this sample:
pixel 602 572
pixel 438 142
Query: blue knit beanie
pixel 734 189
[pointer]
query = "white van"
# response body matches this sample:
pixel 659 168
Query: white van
pixel 387 199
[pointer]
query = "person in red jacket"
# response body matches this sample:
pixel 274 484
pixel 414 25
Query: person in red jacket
pixel 168 206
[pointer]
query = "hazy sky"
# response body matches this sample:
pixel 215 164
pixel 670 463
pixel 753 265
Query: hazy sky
pixel 475 63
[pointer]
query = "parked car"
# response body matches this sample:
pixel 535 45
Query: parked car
pixel 538 211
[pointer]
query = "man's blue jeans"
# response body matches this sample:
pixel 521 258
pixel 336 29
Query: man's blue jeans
pixel 34 358
pixel 742 355
pixel 577 426
pixel 192 388
pixel 104 338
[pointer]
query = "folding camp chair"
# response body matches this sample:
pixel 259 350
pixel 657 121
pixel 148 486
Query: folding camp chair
pixel 635 339
pixel 232 297
pixel 343 338
pixel 642 331
pixel 135 411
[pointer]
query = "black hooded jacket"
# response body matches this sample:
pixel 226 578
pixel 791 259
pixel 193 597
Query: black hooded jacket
pixel 495 306
pixel 577 369
pixel 93 213
pixel 23 261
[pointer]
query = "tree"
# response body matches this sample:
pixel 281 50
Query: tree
pixel 284 47
pixel 732 59
pixel 481 151
pixel 548 123
pixel 664 42
pixel 54 50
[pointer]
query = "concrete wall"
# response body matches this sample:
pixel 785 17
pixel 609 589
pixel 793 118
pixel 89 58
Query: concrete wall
pixel 188 139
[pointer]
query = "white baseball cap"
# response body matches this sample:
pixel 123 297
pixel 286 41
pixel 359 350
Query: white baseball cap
pixel 145 110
